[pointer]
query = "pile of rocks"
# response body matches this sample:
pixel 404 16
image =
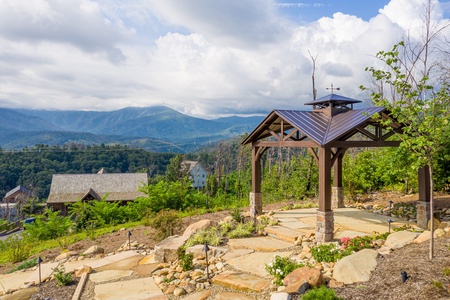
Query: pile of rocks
pixel 172 279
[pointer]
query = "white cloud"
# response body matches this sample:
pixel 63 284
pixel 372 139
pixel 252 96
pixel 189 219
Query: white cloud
pixel 200 57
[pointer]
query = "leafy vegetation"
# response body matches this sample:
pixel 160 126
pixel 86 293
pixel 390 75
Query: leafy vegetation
pixel 165 223
pixel 321 293
pixel 280 267
pixel 62 277
pixel 25 265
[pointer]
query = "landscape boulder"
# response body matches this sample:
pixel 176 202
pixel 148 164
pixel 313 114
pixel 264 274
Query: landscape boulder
pixel 356 267
pixel 65 255
pixel 200 225
pixel 167 250
pixel 94 250
pixel 400 239
pixel 304 274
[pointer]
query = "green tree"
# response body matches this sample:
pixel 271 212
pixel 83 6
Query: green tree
pixel 422 109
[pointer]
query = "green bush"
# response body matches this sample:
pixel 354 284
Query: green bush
pixel 49 225
pixel 166 222
pixel 242 230
pixel 210 236
pixel 17 249
pixel 186 260
pixel 322 293
pixel 280 267
pixel 226 227
pixel 236 215
pixel 329 252
pixel 62 277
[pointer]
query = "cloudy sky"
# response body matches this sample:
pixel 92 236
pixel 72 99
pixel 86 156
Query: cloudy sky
pixel 201 57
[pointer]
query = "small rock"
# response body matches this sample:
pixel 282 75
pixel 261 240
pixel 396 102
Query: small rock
pixel 335 284
pixel 82 270
pixel 94 250
pixel 179 292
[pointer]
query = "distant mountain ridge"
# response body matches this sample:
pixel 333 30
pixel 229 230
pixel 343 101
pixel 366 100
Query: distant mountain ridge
pixel 157 128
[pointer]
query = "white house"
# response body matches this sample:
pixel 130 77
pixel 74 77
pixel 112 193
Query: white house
pixel 197 173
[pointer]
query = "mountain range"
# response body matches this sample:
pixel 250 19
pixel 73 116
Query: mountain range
pixel 157 128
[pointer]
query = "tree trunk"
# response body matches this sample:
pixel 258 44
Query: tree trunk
pixel 430 169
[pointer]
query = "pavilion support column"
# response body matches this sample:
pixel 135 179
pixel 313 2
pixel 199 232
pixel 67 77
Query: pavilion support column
pixel 337 191
pixel 255 194
pixel 325 218
pixel 423 205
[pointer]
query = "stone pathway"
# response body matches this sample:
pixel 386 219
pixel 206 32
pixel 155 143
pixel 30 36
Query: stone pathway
pixel 247 257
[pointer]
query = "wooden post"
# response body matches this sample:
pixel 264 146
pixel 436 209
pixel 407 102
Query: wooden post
pixel 255 194
pixel 324 179
pixel 337 192
pixel 423 205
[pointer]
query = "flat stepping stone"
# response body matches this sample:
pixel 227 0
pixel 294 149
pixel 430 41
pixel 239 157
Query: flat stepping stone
pixel 237 253
pixel 297 225
pixel 241 281
pixel 149 259
pixel 14 281
pixel 137 289
pixel 125 264
pixel 109 275
pixel 24 294
pixel 283 233
pixel 255 263
pixel 349 233
pixel 145 269
pixel 296 213
pixel 199 296
pixel 265 244
pixel 108 260
pixel 232 296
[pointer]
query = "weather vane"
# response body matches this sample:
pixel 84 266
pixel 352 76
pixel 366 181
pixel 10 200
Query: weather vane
pixel 333 88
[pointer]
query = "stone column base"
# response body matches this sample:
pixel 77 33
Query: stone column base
pixel 423 214
pixel 324 226
pixel 255 204
pixel 337 197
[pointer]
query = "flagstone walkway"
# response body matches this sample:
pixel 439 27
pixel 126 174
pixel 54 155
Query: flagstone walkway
pixel 247 257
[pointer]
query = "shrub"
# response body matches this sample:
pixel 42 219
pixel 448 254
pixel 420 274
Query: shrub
pixel 17 249
pixel 49 225
pixel 322 293
pixel 349 245
pixel 242 230
pixel 446 271
pixel 329 252
pixel 226 227
pixel 62 277
pixel 280 267
pixel 186 260
pixel 165 223
pixel 236 215
pixel 210 236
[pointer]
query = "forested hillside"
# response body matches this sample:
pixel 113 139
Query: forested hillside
pixel 34 167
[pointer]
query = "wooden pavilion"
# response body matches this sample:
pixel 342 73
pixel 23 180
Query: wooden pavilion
pixel 327 131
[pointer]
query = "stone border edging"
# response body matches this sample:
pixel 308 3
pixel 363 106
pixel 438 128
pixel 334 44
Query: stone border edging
pixel 80 286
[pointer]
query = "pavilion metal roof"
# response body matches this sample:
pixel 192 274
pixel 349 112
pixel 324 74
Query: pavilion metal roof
pixel 318 127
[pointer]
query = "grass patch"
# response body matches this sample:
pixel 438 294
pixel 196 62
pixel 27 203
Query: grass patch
pixel 438 284
pixel 446 271
pixel 25 265
pixel 210 236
